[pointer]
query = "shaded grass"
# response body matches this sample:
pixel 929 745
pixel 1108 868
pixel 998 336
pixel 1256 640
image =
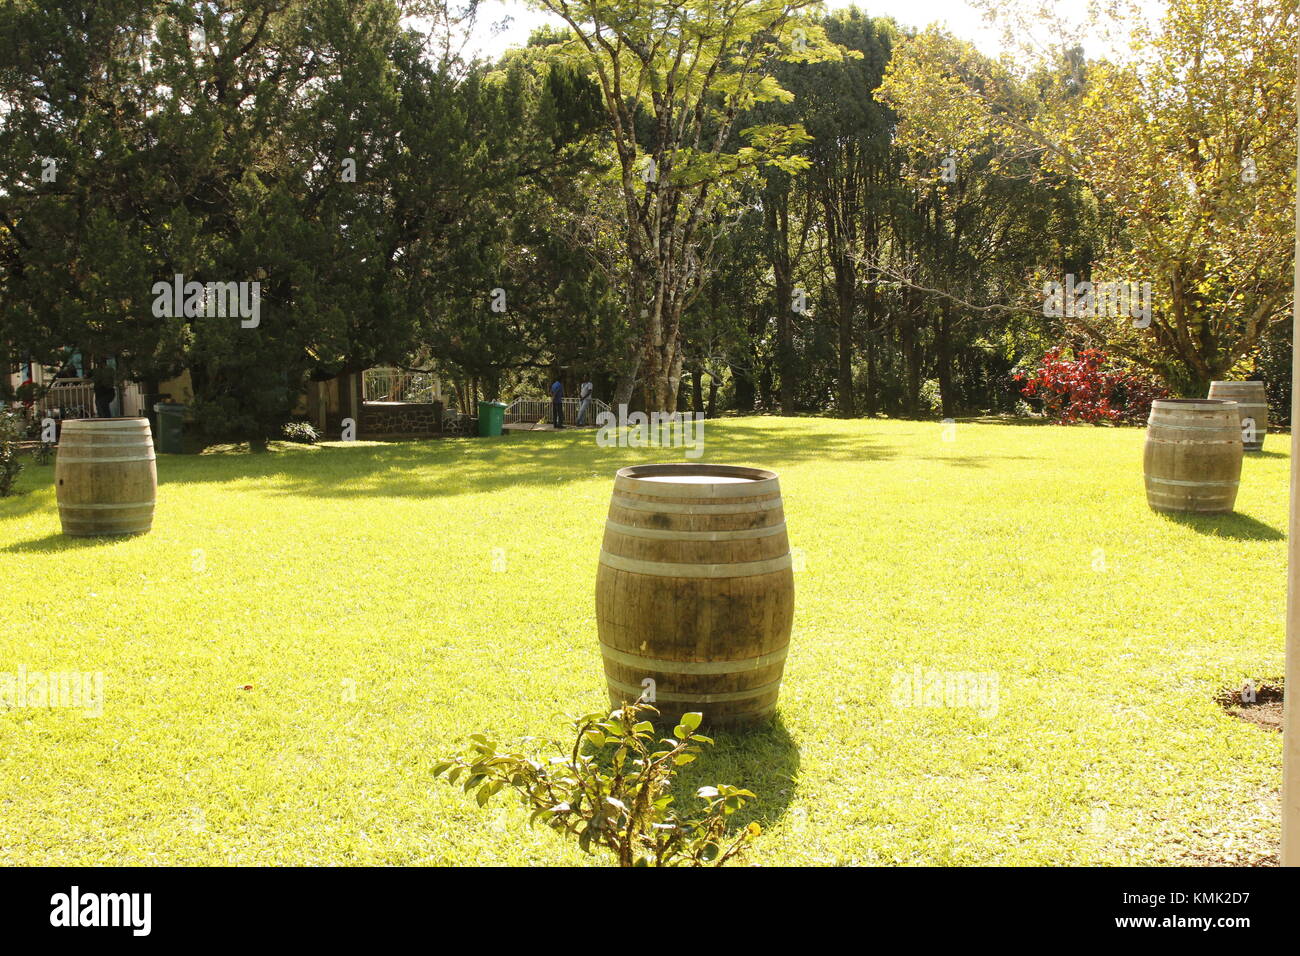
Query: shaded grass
pixel 353 587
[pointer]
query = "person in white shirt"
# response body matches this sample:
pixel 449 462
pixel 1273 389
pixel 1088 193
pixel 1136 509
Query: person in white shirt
pixel 585 394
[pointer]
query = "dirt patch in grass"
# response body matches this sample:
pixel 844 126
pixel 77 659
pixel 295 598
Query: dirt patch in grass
pixel 1265 711
pixel 1241 831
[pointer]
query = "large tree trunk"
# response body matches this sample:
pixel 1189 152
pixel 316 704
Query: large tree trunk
pixel 626 379
pixel 785 354
pixel 910 334
pixel 943 360
pixel 746 378
pixel 674 382
pixel 845 288
pixel 661 357
pixel 872 406
pixel 623 387
pixel 840 212
pixel 745 388
pixel 778 234
pixel 914 370
pixel 765 387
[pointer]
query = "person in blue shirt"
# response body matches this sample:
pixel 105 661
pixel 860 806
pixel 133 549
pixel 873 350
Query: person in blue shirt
pixel 557 403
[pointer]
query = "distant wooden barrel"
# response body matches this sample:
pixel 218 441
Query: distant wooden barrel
pixel 1252 404
pixel 105 477
pixel 1193 455
pixel 695 592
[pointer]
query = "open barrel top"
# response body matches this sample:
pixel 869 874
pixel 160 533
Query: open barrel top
pixel 696 481
pixel 695 473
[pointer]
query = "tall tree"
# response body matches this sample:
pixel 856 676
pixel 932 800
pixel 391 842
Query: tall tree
pixel 850 152
pixel 674 78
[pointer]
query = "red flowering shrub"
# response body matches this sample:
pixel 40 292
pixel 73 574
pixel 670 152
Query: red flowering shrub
pixel 1086 388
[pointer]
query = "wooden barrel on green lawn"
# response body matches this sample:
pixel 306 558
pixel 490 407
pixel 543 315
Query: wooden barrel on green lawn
pixel 1192 460
pixel 105 477
pixel 1252 408
pixel 694 591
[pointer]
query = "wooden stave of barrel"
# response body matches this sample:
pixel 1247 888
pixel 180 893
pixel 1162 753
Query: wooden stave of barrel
pixel 1192 457
pixel 105 477
pixel 1252 402
pixel 695 591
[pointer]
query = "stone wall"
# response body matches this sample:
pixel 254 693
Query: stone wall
pixel 383 420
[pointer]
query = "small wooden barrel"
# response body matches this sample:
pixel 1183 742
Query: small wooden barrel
pixel 1251 404
pixel 1193 455
pixel 105 477
pixel 695 592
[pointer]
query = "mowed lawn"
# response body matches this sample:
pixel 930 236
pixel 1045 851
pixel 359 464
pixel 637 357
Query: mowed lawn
pixel 385 601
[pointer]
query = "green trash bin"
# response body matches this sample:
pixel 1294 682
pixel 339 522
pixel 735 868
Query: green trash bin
pixel 171 428
pixel 491 417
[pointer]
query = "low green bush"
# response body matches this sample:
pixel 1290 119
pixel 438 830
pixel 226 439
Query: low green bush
pixel 609 789
pixel 12 431
pixel 301 432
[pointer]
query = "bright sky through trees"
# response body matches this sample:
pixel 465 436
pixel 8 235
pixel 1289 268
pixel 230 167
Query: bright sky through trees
pixel 494 32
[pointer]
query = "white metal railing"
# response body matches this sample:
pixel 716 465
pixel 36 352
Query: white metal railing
pixel 75 398
pixel 399 385
pixel 532 410
pixel 67 398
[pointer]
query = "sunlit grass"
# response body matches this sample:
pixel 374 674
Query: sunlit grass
pixel 353 587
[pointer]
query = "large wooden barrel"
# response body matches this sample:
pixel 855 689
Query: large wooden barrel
pixel 1193 455
pixel 105 477
pixel 1251 404
pixel 695 592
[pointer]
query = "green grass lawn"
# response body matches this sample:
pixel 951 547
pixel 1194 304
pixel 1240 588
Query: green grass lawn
pixel 353 587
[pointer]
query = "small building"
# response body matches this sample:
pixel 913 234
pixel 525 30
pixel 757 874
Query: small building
pixel 382 403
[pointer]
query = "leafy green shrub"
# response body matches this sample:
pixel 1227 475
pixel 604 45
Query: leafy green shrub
pixel 12 430
pixel 301 432
pixel 930 400
pixel 43 453
pixel 609 790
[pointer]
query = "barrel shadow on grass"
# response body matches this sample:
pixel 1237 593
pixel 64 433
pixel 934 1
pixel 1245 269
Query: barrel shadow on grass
pixel 764 760
pixel 56 541
pixel 1238 527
